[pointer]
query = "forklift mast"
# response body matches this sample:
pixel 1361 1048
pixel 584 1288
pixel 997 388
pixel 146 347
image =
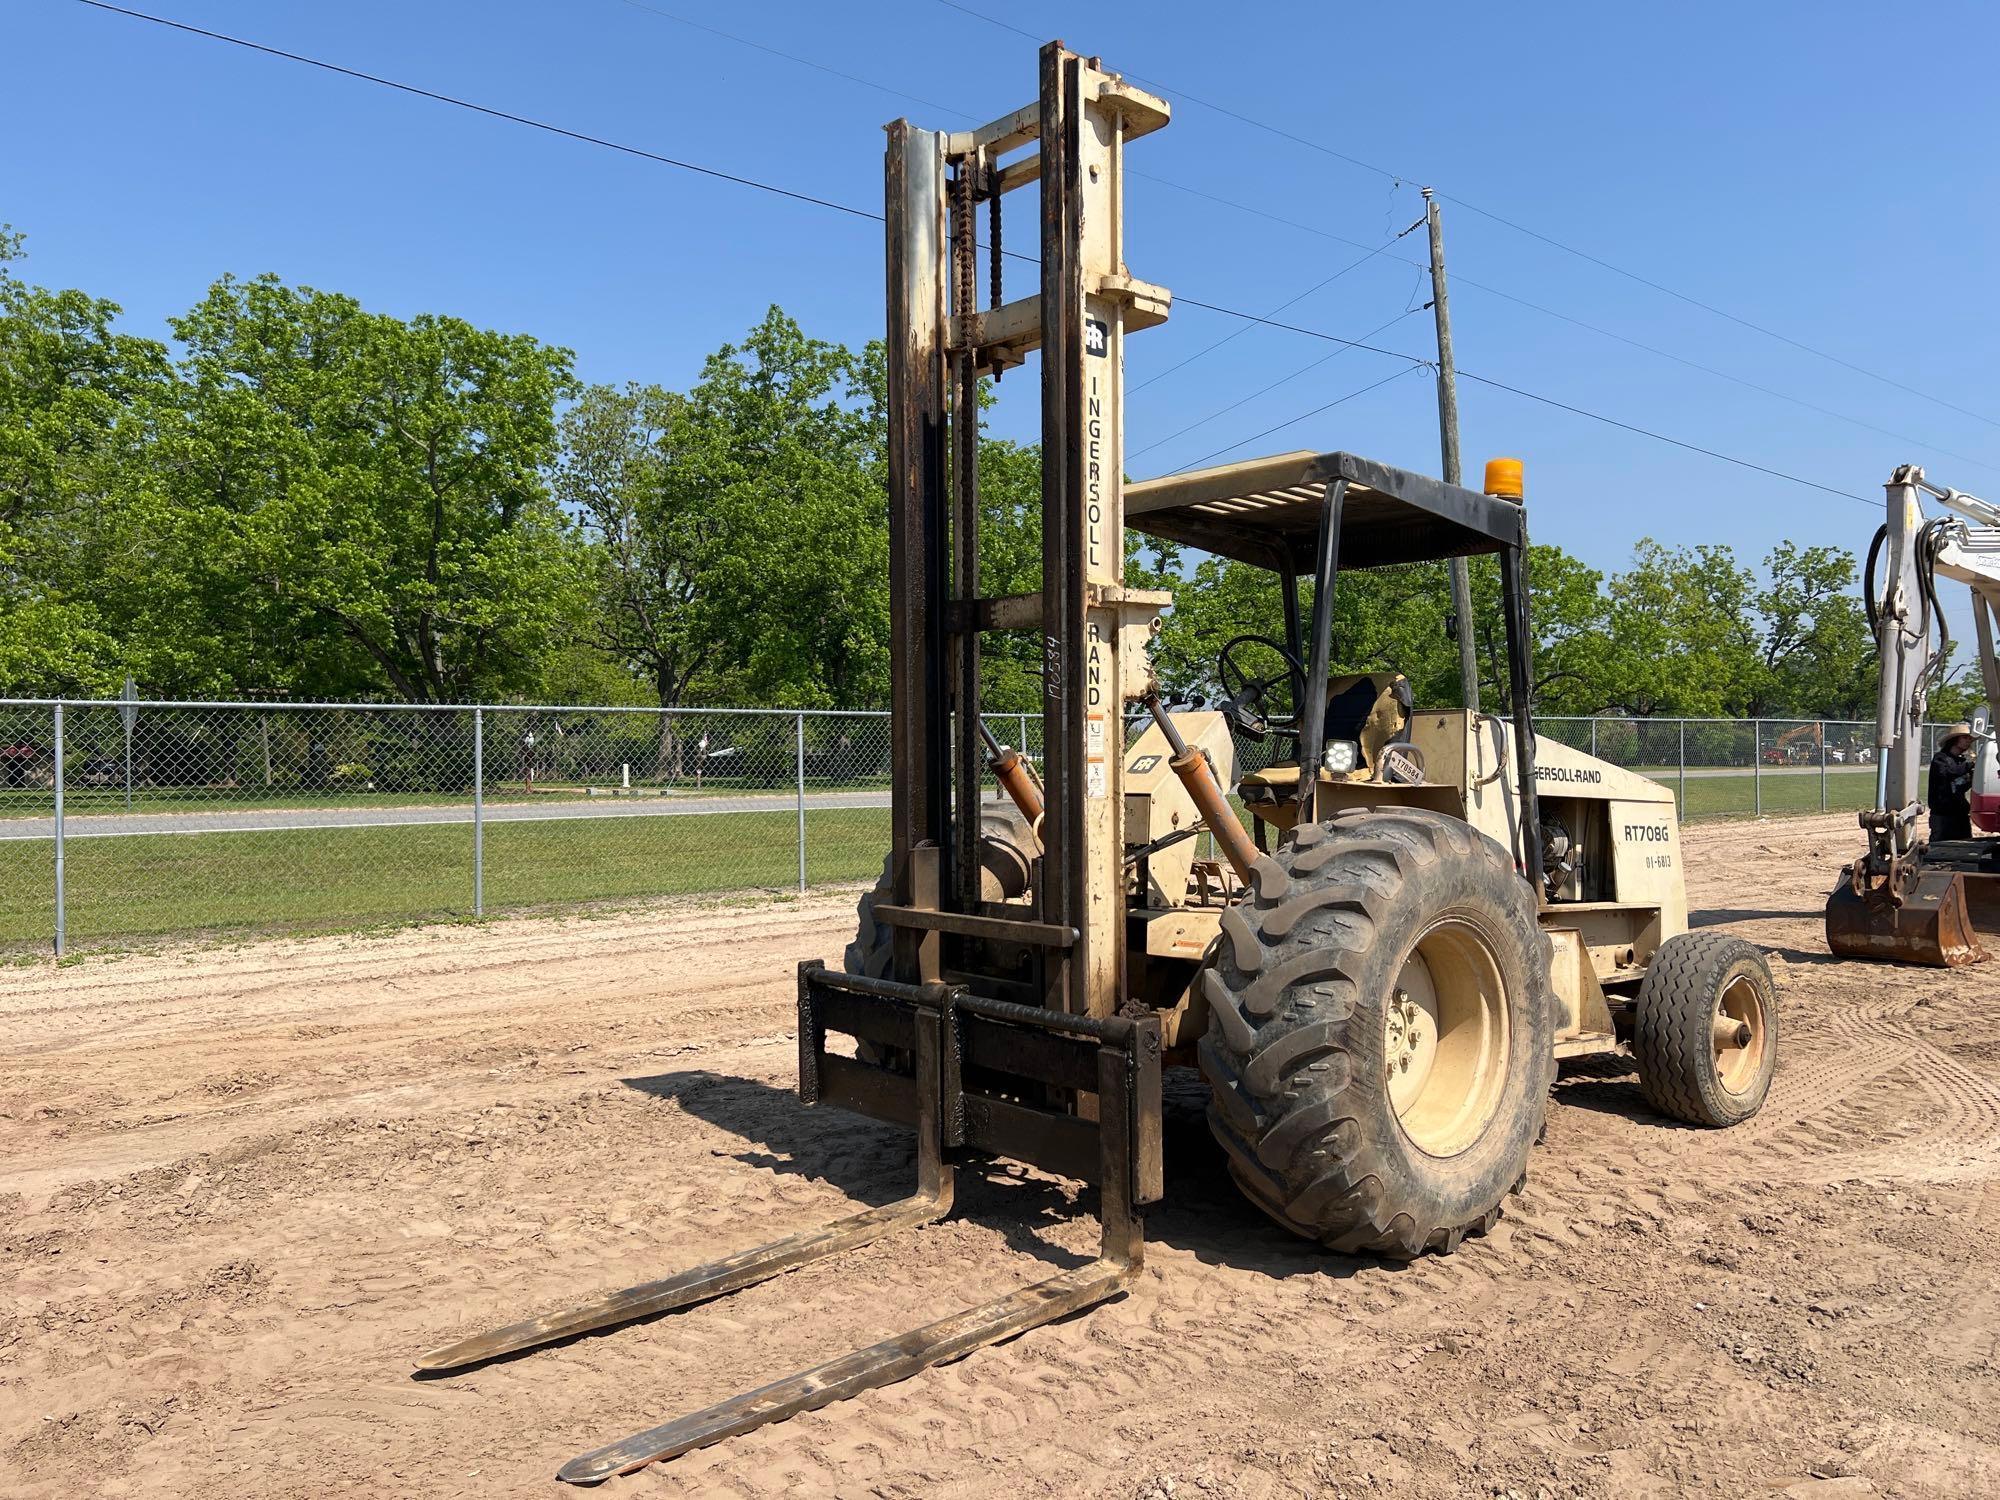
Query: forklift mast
pixel 941 343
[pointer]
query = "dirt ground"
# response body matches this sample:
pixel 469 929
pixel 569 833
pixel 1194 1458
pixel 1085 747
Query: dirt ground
pixel 240 1188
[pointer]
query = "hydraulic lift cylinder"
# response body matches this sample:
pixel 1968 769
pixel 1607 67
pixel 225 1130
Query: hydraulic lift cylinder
pixel 1209 800
pixel 1010 768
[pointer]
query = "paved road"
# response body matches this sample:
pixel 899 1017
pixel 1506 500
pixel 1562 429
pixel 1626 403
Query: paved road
pixel 271 820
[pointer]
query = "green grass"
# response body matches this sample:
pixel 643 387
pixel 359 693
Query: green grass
pixel 156 885
pixel 1737 796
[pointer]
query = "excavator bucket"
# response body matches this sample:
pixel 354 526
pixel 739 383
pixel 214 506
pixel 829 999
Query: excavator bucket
pixel 1982 899
pixel 1931 925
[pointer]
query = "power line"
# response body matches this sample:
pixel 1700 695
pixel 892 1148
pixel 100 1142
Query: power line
pixel 1223 411
pixel 1412 361
pixel 1226 338
pixel 1312 333
pixel 1460 280
pixel 1661 437
pixel 1302 416
pixel 488 110
pixel 1323 233
pixel 1706 307
pixel 1315 287
pixel 1518 228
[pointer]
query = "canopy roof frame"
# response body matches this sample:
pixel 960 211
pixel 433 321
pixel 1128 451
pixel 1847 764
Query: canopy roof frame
pixel 1267 511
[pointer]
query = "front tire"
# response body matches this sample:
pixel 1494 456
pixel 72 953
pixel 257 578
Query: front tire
pixel 1381 1034
pixel 1008 849
pixel 1007 853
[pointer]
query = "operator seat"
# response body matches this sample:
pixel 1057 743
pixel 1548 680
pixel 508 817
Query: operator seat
pixel 1370 708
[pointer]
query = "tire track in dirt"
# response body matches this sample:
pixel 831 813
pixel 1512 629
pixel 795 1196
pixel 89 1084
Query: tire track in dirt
pixel 239 1289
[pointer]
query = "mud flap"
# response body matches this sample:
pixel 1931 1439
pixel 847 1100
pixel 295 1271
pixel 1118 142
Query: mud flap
pixel 1930 926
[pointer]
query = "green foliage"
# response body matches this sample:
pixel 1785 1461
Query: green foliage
pixel 312 498
pixel 374 488
pixel 1694 634
pixel 740 541
pixel 74 398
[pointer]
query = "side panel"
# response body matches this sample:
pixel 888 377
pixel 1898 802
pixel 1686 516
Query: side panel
pixel 1646 861
pixel 1158 806
pixel 1607 809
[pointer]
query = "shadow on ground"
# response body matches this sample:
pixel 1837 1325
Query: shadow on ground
pixel 1202 1213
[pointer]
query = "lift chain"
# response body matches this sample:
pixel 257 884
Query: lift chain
pixel 965 256
pixel 993 242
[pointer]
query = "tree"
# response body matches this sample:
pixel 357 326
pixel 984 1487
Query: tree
pixel 654 614
pixel 74 394
pixel 739 530
pixel 1684 633
pixel 371 489
pixel 769 455
pixel 1817 653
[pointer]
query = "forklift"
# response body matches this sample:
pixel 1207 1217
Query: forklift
pixel 1376 977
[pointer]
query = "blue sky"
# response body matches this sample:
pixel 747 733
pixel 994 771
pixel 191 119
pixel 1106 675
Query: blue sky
pixel 1823 169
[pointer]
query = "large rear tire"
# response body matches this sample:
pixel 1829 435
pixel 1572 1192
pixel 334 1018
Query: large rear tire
pixel 1381 1033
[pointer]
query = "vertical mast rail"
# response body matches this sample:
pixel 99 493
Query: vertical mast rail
pixel 967 761
pixel 919 727
pixel 1063 873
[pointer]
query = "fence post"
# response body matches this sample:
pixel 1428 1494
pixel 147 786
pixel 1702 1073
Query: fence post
pixel 479 812
pixel 1022 744
pixel 1593 737
pixel 800 721
pixel 61 916
pixel 1684 770
pixel 128 715
pixel 1757 766
pixel 1822 765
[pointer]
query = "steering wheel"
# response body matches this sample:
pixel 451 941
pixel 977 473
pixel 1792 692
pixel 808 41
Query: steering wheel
pixel 1243 695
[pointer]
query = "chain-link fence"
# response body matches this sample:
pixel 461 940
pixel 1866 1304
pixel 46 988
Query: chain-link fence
pixel 123 822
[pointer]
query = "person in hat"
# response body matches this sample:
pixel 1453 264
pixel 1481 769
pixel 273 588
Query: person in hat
pixel 1951 785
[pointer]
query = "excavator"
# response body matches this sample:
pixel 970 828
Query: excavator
pixel 1906 899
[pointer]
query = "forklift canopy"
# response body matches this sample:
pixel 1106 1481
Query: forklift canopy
pixel 1267 511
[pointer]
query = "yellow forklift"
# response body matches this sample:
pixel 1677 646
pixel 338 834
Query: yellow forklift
pixel 1377 983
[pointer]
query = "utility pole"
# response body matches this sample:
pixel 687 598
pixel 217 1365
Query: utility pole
pixel 1461 577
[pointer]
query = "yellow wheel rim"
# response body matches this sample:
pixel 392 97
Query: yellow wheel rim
pixel 1446 1039
pixel 1739 1034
